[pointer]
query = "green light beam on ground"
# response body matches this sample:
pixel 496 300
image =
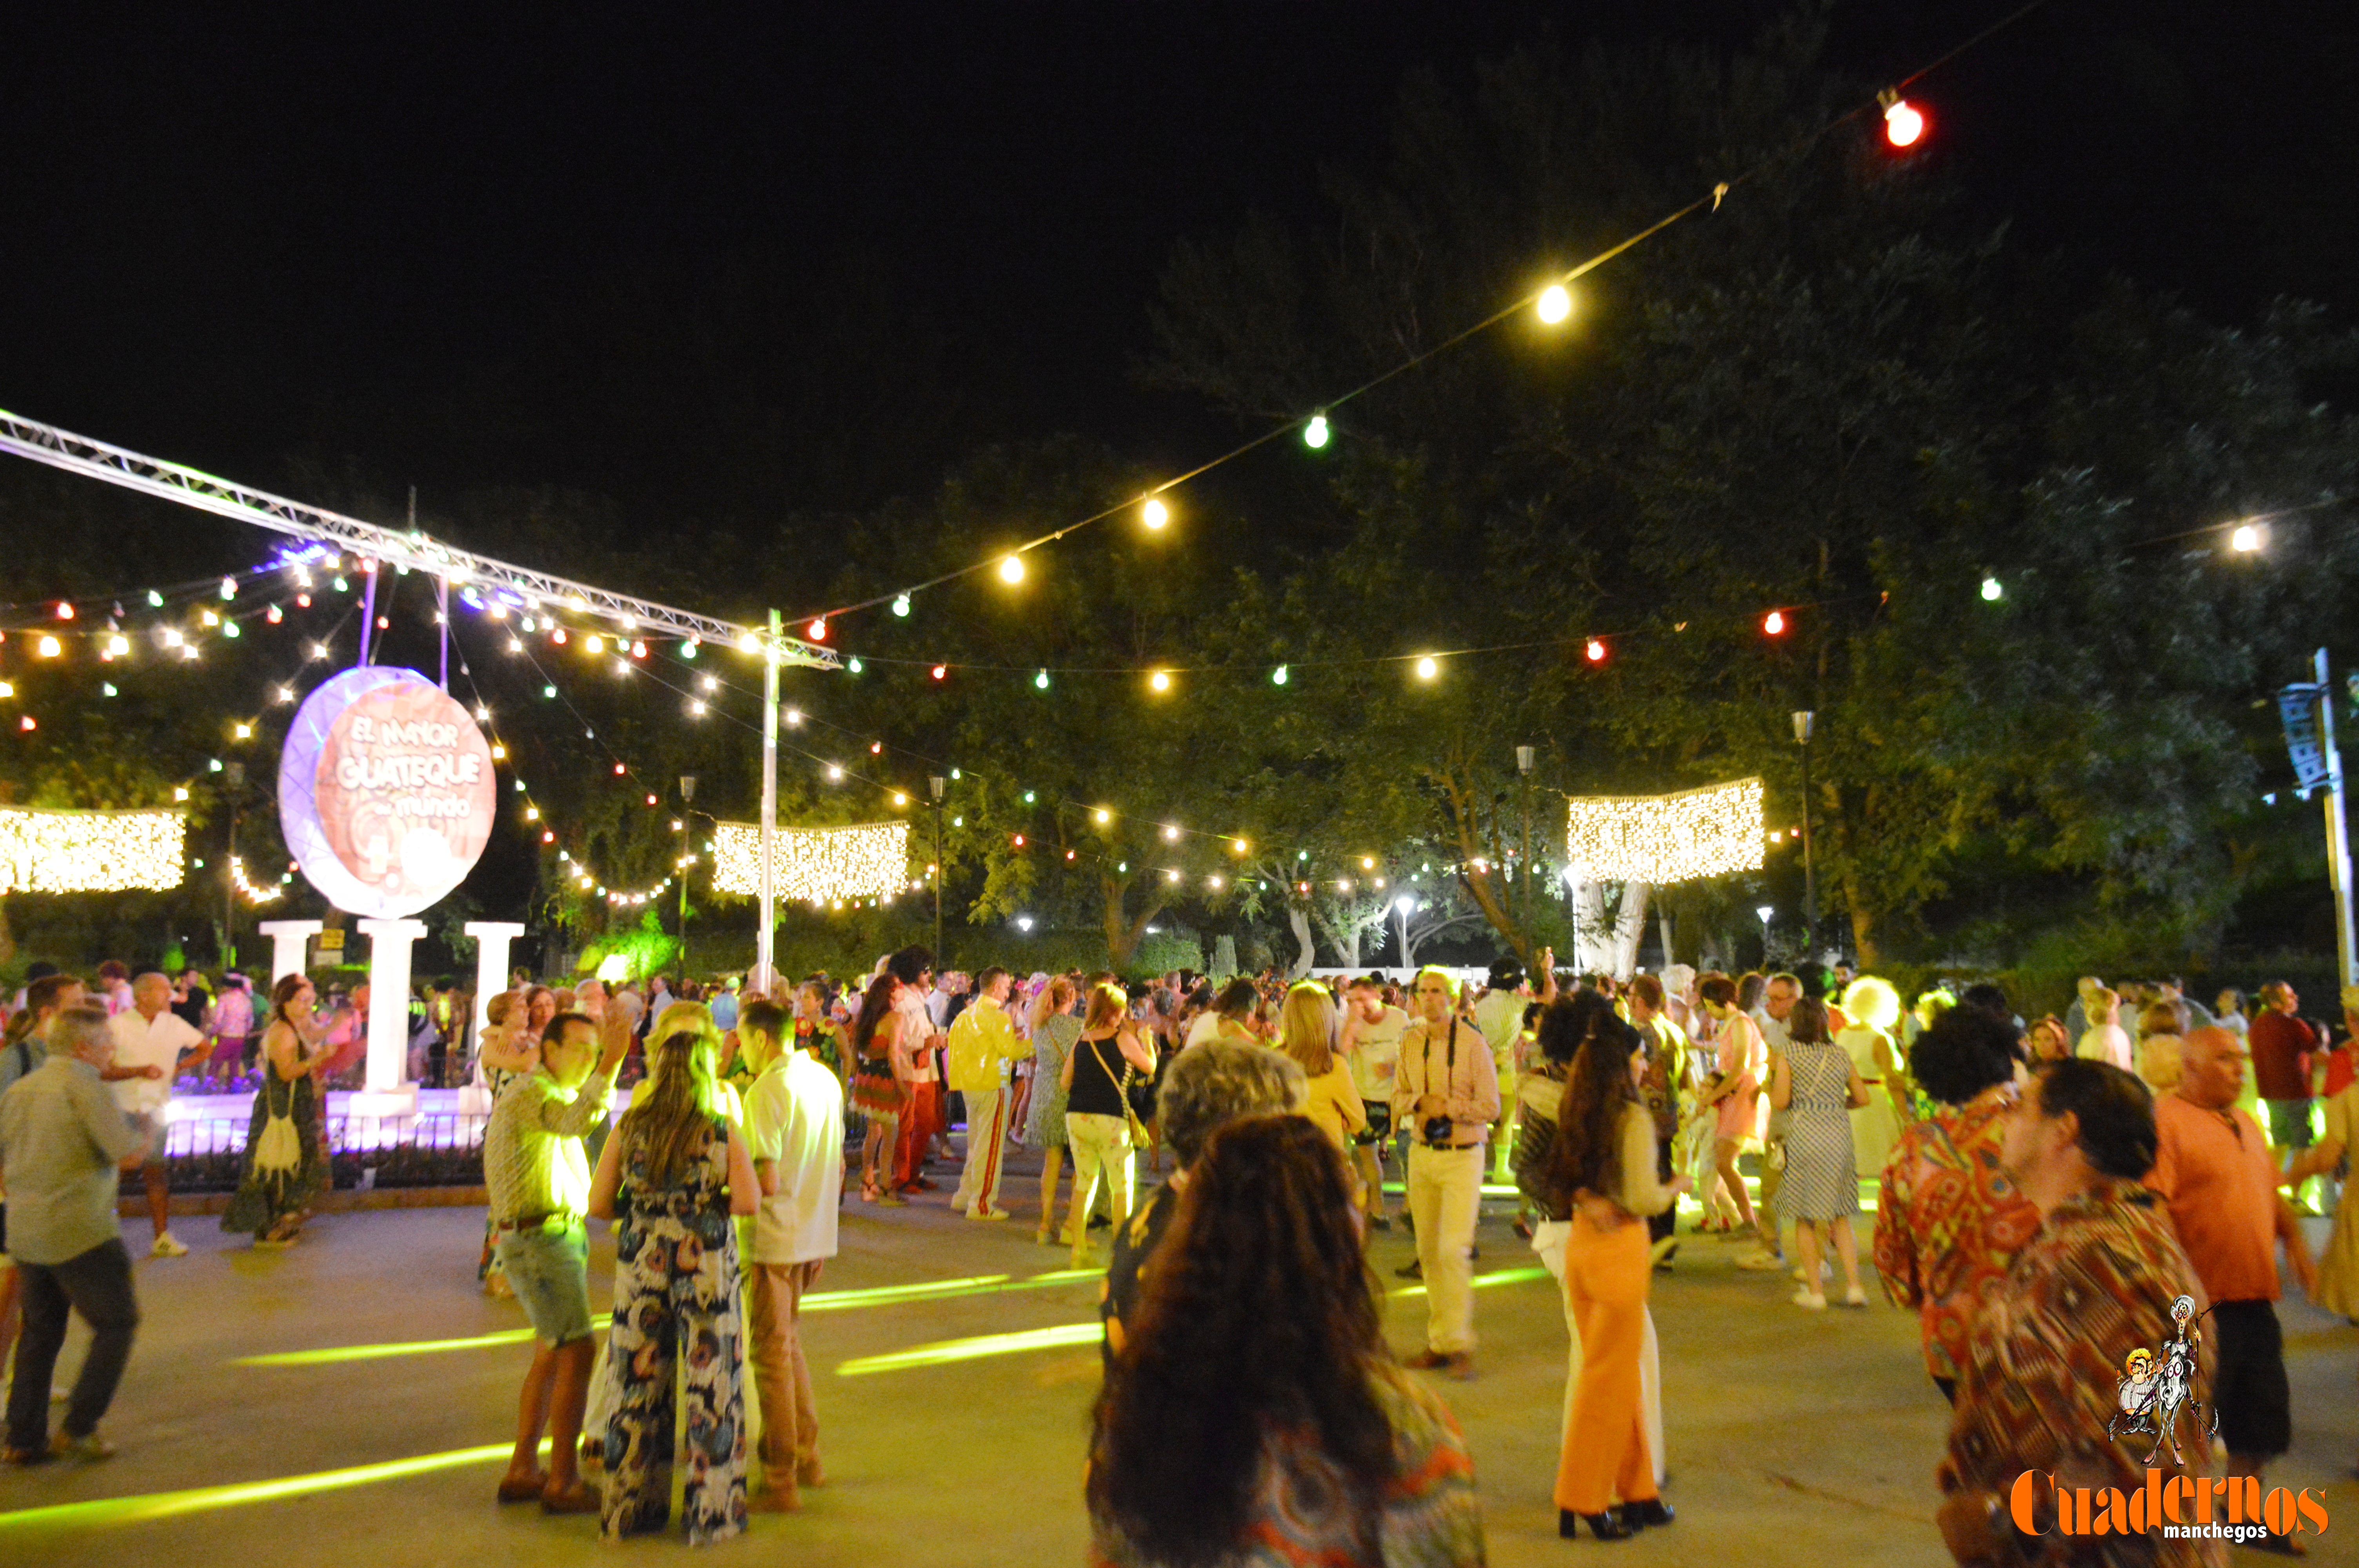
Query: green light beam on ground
pixel 336 1355
pixel 950 1350
pixel 1496 1277
pixel 818 1300
pixel 105 1512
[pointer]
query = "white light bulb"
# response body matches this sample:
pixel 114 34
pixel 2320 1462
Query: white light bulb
pixel 1554 304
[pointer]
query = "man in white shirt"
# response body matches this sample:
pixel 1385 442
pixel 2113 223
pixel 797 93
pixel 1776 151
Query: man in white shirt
pixel 1371 1043
pixel 152 1035
pixel 794 1128
pixel 1446 1092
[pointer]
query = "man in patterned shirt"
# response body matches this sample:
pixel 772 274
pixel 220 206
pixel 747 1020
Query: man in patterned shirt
pixel 538 1179
pixel 2043 1376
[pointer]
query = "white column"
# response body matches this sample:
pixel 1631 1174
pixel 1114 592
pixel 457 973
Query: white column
pixel 289 938
pixel 388 1020
pixel 491 940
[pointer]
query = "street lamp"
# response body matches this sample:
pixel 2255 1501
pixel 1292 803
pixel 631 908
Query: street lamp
pixel 687 796
pixel 1765 911
pixel 1802 724
pixel 234 774
pixel 938 786
pixel 1525 757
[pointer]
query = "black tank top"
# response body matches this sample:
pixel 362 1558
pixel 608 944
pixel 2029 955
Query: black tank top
pixel 1097 1077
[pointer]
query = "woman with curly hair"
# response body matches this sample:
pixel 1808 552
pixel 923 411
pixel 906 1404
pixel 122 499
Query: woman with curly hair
pixel 1602 1173
pixel 879 1090
pixel 1255 1415
pixel 673 1177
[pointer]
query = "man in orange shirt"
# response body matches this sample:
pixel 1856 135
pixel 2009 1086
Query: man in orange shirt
pixel 2213 1170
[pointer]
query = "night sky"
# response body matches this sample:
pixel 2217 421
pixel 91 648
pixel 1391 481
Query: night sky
pixel 565 245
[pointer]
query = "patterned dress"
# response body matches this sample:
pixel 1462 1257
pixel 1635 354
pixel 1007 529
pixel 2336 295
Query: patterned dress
pixel 1820 1183
pixel 1044 1126
pixel 264 1197
pixel 676 1300
pixel 1949 1223
pixel 1427 1517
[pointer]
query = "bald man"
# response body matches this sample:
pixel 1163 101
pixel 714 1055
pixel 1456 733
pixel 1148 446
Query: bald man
pixel 152 1043
pixel 2213 1170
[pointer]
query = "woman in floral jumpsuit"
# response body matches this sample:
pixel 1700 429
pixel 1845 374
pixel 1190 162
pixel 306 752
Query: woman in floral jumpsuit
pixel 671 1177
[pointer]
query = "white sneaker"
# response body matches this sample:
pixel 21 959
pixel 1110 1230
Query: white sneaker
pixel 166 1247
pixel 1810 1300
pixel 1855 1297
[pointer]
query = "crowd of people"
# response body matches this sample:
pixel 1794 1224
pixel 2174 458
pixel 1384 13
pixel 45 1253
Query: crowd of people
pixel 2054 1196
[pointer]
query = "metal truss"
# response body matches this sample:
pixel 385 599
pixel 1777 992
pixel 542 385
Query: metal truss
pixel 531 590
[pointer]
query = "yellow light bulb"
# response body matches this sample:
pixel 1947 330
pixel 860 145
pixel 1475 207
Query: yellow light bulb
pixel 1155 513
pixel 1426 668
pixel 1011 568
pixel 1554 304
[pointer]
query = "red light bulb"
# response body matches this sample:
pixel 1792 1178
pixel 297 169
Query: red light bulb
pixel 1904 123
pixel 1596 651
pixel 1774 622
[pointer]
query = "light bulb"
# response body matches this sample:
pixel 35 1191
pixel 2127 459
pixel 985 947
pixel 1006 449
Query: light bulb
pixel 1596 651
pixel 901 604
pixel 1904 123
pixel 1426 668
pixel 1103 816
pixel 818 629
pixel 49 648
pixel 1554 304
pixel 1277 675
pixel 1315 432
pixel 1774 623
pixel 2245 539
pixel 1011 568
pixel 1992 592
pixel 1041 680
pixel 1159 681
pixel 1155 513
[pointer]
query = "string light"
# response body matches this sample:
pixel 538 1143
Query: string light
pixel 1277 675
pixel 814 863
pixel 1011 568
pixel 901 605
pixel 1554 304
pixel 2245 539
pixel 1155 513
pixel 1041 680
pixel 1904 123
pixel 1596 651
pixel 1992 591
pixel 1159 680
pixel 1774 623
pixel 48 647
pixel 1663 838
pixel 91 851
pixel 1426 668
pixel 246 887
pixel 1103 816
pixel 1315 432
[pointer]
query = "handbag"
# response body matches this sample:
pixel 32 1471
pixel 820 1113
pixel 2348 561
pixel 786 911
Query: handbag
pixel 1129 1085
pixel 279 1151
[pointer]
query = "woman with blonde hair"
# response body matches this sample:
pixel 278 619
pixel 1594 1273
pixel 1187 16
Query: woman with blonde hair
pixel 673 1177
pixel 1054 1029
pixel 1873 1009
pixel 1097 1116
pixel 1305 1032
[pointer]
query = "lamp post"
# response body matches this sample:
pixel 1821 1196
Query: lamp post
pixel 687 795
pixel 234 774
pixel 1803 726
pixel 1525 757
pixel 938 786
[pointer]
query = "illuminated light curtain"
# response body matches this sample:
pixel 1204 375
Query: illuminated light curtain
pixel 89 851
pixel 1660 839
pixel 815 865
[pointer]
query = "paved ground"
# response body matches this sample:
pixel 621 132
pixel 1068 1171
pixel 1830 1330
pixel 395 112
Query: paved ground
pixel 1792 1438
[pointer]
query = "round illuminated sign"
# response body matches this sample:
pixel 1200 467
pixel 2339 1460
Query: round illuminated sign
pixel 385 792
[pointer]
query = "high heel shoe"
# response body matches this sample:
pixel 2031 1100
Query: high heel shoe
pixel 1654 1510
pixel 1604 1526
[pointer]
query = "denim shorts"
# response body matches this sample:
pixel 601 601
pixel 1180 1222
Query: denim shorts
pixel 549 1271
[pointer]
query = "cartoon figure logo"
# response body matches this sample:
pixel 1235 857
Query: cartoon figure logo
pixel 2152 1396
